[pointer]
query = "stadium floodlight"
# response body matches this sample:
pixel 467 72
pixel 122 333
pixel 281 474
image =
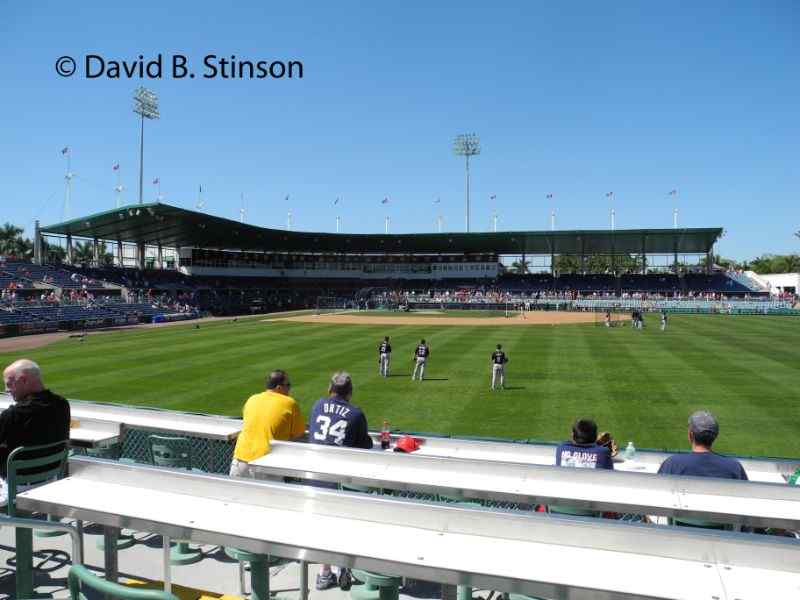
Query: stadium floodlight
pixel 145 104
pixel 466 145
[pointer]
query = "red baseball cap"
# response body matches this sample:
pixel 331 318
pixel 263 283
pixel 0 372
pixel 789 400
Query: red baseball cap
pixel 407 444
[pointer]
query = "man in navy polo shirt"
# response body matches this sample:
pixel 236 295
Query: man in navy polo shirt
pixel 583 452
pixel 336 422
pixel 702 462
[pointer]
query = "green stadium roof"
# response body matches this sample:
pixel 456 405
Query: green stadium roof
pixel 171 226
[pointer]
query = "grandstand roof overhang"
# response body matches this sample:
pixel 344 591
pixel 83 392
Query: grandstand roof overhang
pixel 171 226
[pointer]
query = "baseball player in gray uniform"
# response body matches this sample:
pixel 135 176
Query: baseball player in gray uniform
pixel 421 354
pixel 384 356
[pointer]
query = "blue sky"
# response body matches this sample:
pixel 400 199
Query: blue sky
pixel 571 98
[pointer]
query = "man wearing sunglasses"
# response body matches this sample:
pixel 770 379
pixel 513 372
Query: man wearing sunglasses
pixel 270 415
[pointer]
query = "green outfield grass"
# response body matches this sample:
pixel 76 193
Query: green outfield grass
pixel 640 385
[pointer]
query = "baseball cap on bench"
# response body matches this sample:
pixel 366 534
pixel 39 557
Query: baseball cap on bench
pixel 406 444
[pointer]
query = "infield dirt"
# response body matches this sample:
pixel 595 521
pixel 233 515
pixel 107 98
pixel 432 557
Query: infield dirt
pixel 532 318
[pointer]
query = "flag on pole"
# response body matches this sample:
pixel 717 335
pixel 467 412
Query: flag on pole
pixel 438 200
pixel 385 200
pixel 609 194
pixel 116 167
pixel 493 197
pixel 673 192
pixel 549 196
pixel 156 181
pixel 65 150
pixel 201 189
pixel 287 198
pixel 335 202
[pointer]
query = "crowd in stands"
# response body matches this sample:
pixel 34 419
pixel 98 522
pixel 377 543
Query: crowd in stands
pixel 24 284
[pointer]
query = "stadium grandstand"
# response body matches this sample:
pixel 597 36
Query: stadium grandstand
pixel 171 263
pixel 477 516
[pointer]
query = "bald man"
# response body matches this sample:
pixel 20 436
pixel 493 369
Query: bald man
pixel 37 417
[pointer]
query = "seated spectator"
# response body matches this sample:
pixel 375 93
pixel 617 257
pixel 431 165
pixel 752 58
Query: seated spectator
pixel 702 462
pixel 270 415
pixel 336 422
pixel 37 417
pixel 583 452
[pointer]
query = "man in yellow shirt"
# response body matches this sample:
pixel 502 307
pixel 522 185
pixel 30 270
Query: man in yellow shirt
pixel 270 415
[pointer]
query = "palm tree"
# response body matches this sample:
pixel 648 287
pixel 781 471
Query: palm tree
pixel 51 252
pixel 521 266
pixel 9 238
pixel 83 252
pixel 566 264
pixel 23 247
pixel 789 263
pixel 763 264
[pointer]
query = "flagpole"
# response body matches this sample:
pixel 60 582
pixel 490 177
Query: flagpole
pixel 494 220
pixel 613 214
pixel 386 223
pixel 289 220
pixel 674 194
pixel 553 220
pixel 439 223
pixel 118 189
pixel 68 180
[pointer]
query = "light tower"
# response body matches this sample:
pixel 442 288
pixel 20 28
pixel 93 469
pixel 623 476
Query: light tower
pixel 466 145
pixel 145 104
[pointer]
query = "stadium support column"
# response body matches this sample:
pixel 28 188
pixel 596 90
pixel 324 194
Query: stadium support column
pixel 96 252
pixel 119 254
pixel 70 255
pixel 37 244
pixel 644 255
pixel 140 255
pixel 583 256
pixel 160 257
pixel 709 260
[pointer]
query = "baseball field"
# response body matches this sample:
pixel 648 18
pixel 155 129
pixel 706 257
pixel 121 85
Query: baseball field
pixel 639 385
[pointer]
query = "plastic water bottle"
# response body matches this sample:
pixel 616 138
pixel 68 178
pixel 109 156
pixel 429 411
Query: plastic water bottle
pixel 386 438
pixel 794 478
pixel 630 451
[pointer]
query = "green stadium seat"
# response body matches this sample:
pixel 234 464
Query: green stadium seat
pixel 50 461
pixel 573 512
pixel 259 571
pixel 175 453
pixel 376 586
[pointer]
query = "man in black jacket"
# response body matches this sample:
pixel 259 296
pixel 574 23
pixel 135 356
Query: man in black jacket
pixel 37 416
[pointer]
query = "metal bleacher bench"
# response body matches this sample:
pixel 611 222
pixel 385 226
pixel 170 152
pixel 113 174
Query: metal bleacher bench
pixel 525 553
pixel 740 503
